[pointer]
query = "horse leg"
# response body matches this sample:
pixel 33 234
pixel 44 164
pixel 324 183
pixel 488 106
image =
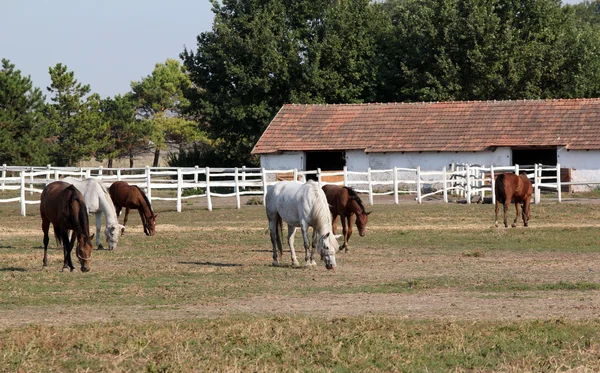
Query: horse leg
pixel 118 210
pixel 344 219
pixel 349 231
pixel 67 246
pixel 496 216
pixel 505 204
pixel 517 205
pixel 45 228
pixel 290 236
pixel 127 209
pixel 98 227
pixel 526 212
pixel 334 223
pixel 275 237
pixel 308 261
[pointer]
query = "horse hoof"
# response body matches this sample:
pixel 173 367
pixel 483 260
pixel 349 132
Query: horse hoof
pixel 275 263
pixel 513 225
pixel 100 247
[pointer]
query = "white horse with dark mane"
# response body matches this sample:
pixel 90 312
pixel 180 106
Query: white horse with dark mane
pixel 301 205
pixel 98 201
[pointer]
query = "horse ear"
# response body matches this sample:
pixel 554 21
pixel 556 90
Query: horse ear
pixel 92 236
pixel 367 213
pixel 337 236
pixel 121 227
pixel 155 216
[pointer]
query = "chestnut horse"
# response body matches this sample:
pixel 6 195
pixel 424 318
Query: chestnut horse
pixel 63 205
pixel 517 189
pixel 344 202
pixel 132 197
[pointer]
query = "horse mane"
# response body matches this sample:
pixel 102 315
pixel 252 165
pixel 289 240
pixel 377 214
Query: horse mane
pixel 145 199
pixel 320 210
pixel 354 196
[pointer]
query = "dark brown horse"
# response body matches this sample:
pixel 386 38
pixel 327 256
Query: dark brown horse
pixel 132 197
pixel 517 189
pixel 344 202
pixel 63 206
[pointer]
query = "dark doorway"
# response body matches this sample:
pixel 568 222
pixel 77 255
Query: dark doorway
pixel 326 161
pixel 529 157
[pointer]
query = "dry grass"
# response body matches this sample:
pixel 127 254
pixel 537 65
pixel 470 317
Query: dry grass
pixel 431 287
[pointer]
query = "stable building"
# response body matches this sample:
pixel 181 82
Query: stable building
pixel 436 134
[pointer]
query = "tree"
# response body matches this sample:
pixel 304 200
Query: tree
pixel 75 118
pixel 22 123
pixel 263 54
pixel 128 134
pixel 161 102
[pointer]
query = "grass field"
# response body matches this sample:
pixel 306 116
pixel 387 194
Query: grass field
pixel 432 287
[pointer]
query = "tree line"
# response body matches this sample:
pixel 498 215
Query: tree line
pixel 261 54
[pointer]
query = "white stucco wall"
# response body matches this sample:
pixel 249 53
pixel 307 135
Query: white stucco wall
pixel 584 165
pixel 283 161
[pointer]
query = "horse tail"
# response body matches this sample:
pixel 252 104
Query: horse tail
pixel 279 232
pixel 500 191
pixel 80 222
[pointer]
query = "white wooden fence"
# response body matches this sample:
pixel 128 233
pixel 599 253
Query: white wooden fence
pixel 465 181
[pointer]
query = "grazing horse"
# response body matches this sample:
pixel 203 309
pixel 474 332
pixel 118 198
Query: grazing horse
pixel 344 202
pixel 300 205
pixel 517 189
pixel 98 201
pixel 63 205
pixel 132 197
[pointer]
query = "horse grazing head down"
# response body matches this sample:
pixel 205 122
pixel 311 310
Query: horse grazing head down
pixel 112 233
pixel 84 252
pixel 327 247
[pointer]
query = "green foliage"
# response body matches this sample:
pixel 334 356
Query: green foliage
pixel 22 122
pixel 160 101
pixel 75 119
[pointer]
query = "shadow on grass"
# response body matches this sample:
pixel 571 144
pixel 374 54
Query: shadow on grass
pixel 6 246
pixel 12 269
pixel 213 264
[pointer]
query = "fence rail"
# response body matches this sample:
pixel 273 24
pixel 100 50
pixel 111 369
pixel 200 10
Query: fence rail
pixel 464 180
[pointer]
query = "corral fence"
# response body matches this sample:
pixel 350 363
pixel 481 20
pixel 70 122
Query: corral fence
pixel 466 181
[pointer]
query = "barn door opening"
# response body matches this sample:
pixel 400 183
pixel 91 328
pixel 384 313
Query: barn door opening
pixel 529 157
pixel 526 158
pixel 326 161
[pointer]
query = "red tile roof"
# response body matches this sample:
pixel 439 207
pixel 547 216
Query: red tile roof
pixel 435 126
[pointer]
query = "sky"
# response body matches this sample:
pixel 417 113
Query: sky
pixel 106 43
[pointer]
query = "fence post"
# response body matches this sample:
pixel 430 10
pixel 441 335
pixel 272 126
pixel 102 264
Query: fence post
pixel 370 180
pixel 237 189
pixel 100 172
pixel 244 177
pixel 395 177
pixel 516 169
pixel 208 200
pixel 536 184
pixel 558 183
pixel 295 174
pixel 179 188
pixel 319 177
pixel 3 175
pixel 148 184
pixel 23 205
pixel 48 174
pixel 418 182
pixel 345 170
pixel 468 181
pixel 264 183
pixel 31 182
pixel 119 174
pixel 445 181
pixel 493 183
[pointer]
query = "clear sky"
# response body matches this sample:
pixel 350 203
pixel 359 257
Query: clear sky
pixel 107 43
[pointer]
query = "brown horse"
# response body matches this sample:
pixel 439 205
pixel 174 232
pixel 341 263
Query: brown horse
pixel 517 189
pixel 132 197
pixel 63 206
pixel 344 202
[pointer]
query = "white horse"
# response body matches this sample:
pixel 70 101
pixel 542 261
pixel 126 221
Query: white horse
pixel 98 201
pixel 301 205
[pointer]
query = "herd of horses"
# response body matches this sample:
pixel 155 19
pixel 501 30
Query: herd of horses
pixel 67 203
